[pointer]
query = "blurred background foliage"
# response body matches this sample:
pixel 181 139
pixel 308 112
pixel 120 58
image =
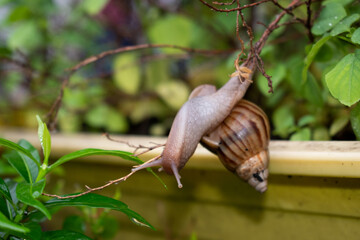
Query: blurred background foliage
pixel 140 92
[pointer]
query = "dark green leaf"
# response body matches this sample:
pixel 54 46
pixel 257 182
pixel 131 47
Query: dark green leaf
pixel 35 231
pixel 6 224
pixel 31 165
pixel 98 201
pixel 74 223
pixel 63 235
pixel 345 24
pixel 33 151
pixel 25 194
pixel 332 13
pixel 45 139
pixel 19 165
pixel 312 54
pixel 18 148
pixel 94 151
pixel 343 80
pixel 4 190
pixel 355 120
pixel 355 38
pixel 38 188
pixel 312 91
pixel 4 207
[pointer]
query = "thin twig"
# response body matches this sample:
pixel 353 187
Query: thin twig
pixel 233 9
pixel 136 147
pixel 89 190
pixel 146 46
pixel 308 24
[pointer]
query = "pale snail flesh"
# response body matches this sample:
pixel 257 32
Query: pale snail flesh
pixel 241 142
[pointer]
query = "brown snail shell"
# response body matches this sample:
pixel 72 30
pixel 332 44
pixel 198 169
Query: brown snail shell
pixel 241 142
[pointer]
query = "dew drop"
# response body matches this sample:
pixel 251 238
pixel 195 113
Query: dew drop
pixel 36 194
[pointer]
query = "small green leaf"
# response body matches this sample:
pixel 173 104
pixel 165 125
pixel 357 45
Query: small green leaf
pixel 93 7
pixel 303 134
pixel 24 194
pixel 127 72
pixel 283 120
pixel 26 36
pixel 338 124
pixel 8 225
pixel 305 120
pixel 45 139
pixel 345 24
pixel 355 38
pixel 332 13
pixel 355 120
pixel 98 201
pixel 18 148
pixel 63 235
pixel 343 80
pixel 312 54
pixel 74 223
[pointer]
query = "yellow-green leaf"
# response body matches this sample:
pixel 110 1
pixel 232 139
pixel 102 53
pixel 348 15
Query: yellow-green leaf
pixel 343 80
pixel 174 93
pixel 127 73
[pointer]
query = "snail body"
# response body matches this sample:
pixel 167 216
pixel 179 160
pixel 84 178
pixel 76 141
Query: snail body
pixel 241 142
pixel 202 113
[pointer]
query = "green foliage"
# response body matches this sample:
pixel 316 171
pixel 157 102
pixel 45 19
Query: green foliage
pixel 22 206
pixel 314 72
pixel 332 14
pixel 343 80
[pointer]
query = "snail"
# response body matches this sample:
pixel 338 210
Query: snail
pixel 200 115
pixel 241 142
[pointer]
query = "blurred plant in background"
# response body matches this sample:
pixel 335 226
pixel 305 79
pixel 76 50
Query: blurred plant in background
pixel 139 92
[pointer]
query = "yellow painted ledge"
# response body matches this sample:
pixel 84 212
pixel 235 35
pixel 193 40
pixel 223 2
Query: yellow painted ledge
pixel 214 204
pixel 314 158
